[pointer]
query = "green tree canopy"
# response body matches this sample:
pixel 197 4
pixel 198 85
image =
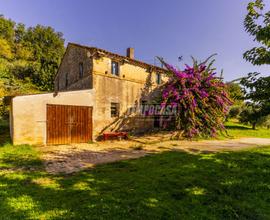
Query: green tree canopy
pixel 7 29
pixel 5 49
pixel 47 48
pixel 257 24
pixel 29 58
pixel 257 89
pixel 34 53
pixel 236 93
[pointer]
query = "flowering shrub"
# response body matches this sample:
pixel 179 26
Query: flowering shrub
pixel 201 99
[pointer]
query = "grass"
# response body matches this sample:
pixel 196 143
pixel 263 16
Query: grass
pixel 237 130
pixel 170 185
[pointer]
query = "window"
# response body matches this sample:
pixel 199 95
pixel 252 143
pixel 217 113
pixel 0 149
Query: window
pixel 115 68
pixel 115 109
pixel 81 70
pixel 158 78
pixel 66 80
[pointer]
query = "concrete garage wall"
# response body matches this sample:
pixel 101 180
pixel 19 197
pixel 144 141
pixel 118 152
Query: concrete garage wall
pixel 28 113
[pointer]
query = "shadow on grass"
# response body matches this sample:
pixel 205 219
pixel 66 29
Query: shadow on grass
pixel 170 185
pixel 238 127
pixel 21 157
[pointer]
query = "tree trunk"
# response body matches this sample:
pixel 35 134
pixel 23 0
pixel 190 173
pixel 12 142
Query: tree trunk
pixel 254 125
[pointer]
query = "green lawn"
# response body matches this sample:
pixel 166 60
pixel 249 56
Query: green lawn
pixel 237 130
pixel 171 185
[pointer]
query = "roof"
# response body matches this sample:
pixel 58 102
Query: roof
pixel 117 56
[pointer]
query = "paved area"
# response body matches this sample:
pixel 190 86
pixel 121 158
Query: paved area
pixel 76 157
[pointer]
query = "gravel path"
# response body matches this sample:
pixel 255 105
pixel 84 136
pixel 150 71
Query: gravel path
pixel 73 158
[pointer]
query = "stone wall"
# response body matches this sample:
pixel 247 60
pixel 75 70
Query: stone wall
pixel 133 85
pixel 70 68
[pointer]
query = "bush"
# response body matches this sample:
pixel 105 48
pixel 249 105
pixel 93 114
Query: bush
pixel 4 112
pixel 264 122
pixel 4 126
pixel 234 112
pixel 200 97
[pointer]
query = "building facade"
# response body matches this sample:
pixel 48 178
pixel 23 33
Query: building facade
pixel 114 83
pixel 119 83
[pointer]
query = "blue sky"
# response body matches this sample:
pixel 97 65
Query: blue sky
pixel 170 28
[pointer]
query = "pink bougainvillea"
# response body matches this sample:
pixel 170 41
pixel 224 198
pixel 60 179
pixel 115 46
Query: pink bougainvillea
pixel 201 98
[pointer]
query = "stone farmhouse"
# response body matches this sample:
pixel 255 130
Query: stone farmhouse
pixel 95 91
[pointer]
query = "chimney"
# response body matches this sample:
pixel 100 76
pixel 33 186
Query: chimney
pixel 130 53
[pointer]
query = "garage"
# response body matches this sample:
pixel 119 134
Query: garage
pixel 53 118
pixel 68 124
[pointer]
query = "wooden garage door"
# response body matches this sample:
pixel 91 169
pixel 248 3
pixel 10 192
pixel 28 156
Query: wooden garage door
pixel 68 124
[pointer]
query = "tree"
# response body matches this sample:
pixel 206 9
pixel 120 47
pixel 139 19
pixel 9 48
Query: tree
pixel 48 48
pixel 5 49
pixel 236 93
pixel 3 110
pixel 29 58
pixel 260 31
pixel 21 49
pixel 34 53
pixel 19 33
pixel 264 122
pixel 234 112
pixel 251 114
pixel 257 89
pixel 7 29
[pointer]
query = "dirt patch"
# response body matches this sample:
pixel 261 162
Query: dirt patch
pixel 76 157
pixel 76 161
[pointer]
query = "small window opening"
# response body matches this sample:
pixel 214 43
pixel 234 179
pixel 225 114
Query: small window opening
pixel 67 80
pixel 81 70
pixel 158 78
pixel 115 68
pixel 115 109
